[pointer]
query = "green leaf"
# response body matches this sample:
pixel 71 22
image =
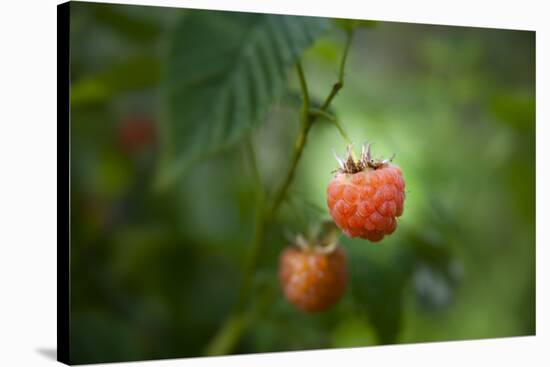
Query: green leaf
pixel 223 71
pixel 351 24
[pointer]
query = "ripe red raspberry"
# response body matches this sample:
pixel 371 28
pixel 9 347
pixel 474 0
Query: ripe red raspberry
pixel 365 197
pixel 311 279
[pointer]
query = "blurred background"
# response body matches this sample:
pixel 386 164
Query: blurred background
pixel 154 273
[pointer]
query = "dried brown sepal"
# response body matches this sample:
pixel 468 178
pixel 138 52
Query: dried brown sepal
pixel 366 161
pixel 322 240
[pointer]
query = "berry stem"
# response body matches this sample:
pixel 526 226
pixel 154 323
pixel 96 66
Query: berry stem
pixel 229 334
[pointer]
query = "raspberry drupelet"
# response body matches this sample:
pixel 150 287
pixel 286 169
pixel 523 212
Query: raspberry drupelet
pixel 366 196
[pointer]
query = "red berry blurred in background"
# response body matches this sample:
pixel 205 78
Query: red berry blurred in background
pixel 313 278
pixel 137 134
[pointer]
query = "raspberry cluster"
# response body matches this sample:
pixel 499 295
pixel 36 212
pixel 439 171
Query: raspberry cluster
pixel 366 196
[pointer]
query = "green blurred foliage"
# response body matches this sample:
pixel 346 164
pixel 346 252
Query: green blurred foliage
pixel 155 273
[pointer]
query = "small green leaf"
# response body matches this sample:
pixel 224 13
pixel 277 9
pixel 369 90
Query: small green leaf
pixel 351 24
pixel 223 70
pixel 328 50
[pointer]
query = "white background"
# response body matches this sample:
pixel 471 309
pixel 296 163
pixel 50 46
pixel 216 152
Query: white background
pixel 28 168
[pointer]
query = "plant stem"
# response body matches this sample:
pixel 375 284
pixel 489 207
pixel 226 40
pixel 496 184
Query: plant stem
pixel 303 89
pixel 229 334
pixel 305 125
pixel 340 83
pixel 320 113
pixel 349 37
pixel 307 118
pixel 298 150
pixel 227 337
